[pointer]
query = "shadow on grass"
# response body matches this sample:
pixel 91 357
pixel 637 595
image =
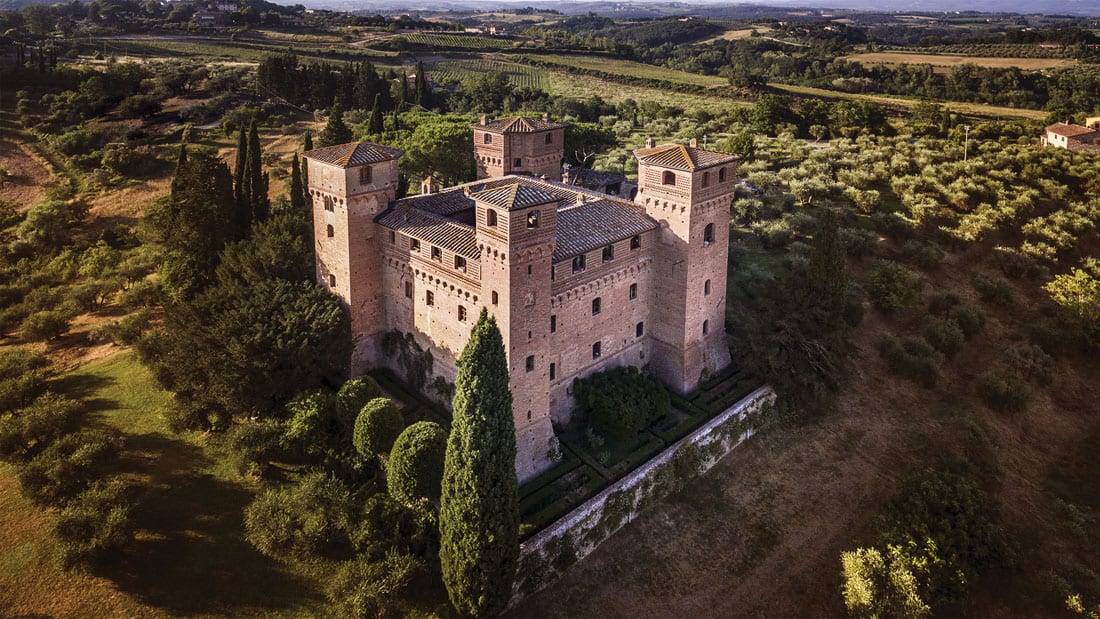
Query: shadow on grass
pixel 84 387
pixel 190 556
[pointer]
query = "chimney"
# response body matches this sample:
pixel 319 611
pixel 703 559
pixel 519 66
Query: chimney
pixel 649 143
pixel 546 116
pixel 484 119
pixel 693 143
pixel 580 199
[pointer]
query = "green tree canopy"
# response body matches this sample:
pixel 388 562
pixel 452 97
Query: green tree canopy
pixel 439 145
pixel 415 469
pixel 336 131
pixel 377 427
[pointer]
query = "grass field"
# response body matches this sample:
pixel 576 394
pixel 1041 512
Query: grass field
pixel 736 34
pixel 189 558
pixel 183 47
pixel 975 109
pixel 948 61
pixel 634 69
pixel 449 41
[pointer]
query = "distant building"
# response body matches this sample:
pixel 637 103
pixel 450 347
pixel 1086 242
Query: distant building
pixel 1073 137
pixel 208 18
pixel 578 281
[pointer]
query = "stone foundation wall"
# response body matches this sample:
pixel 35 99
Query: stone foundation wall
pixel 544 557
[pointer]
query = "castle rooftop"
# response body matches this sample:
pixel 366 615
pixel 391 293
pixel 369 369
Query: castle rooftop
pixel 516 124
pixel 354 154
pixel 682 157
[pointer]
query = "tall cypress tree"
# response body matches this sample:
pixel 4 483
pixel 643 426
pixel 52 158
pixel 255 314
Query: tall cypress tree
pixel 238 170
pixel 308 146
pixel 376 126
pixel 479 509
pixel 297 194
pixel 828 269
pixel 404 87
pixel 421 87
pixel 257 180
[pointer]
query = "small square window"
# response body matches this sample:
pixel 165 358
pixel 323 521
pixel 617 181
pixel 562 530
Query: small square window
pixel 636 242
pixel 328 203
pixel 461 313
pixel 608 253
pixel 706 179
pixel 330 231
pixel 488 138
pixel 365 175
pixel 553 323
pixel 437 254
pixel 393 237
pixel 595 306
pixel 668 178
pixel 553 371
pixel 633 291
pixel 409 290
pixel 596 350
pixel 533 219
pixel 490 218
pixel 517 163
pixel 639 329
pixel 331 281
pixel 549 138
pixel 578 263
pixel 460 263
pixel 414 244
pixel 722 175
pixel 530 365
pixel 429 298
pixel 495 297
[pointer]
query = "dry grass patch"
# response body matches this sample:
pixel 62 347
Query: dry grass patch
pixel 948 61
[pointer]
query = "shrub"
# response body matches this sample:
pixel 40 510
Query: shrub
pixel 892 287
pixel 945 336
pixel 622 401
pixel 1032 362
pixel 388 525
pixel 1015 264
pixel 859 243
pixel 924 255
pixel 22 377
pixel 95 524
pixel 309 519
pixel 942 302
pixel 143 294
pixel 969 318
pixel 893 225
pixel 68 466
pixel 44 326
pixel 773 234
pixel 911 357
pixel 356 392
pixel 1003 390
pixel 377 427
pixel 415 468
pixel 365 588
pixel 139 106
pixel 802 222
pixel 992 291
pixel 255 444
pixel 28 431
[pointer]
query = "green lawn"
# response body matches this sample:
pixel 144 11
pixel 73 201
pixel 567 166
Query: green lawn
pixel 189 557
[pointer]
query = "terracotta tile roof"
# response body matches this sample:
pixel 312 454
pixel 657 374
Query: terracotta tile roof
pixel 1069 131
pixel 681 157
pixel 514 196
pixel 446 202
pixel 432 229
pixel 517 124
pixel 585 227
pixel 354 154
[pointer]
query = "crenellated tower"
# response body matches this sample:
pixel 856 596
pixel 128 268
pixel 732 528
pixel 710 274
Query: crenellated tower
pixel 689 191
pixel 515 230
pixel 349 185
pixel 519 145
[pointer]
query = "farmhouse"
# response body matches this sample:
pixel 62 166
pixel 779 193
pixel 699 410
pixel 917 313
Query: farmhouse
pixel 578 281
pixel 1073 137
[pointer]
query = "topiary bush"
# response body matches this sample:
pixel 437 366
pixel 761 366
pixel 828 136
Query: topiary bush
pixel 309 519
pixel 356 392
pixel 377 427
pixel 945 336
pixel 1003 390
pixel 891 287
pixel 622 401
pixel 415 468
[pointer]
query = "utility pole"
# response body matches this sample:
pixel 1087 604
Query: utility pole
pixel 966 141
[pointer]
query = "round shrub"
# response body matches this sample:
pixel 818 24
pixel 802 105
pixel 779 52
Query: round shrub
pixel 859 243
pixel 924 255
pixel 773 234
pixel 1003 390
pixel 945 336
pixel 44 326
pixel 30 430
pixel 96 523
pixel 309 519
pixel 942 301
pixel 622 401
pixel 969 318
pixel 892 287
pixel 255 444
pixel 356 392
pixel 22 377
pixel 415 468
pixel 377 427
pixel 68 467
pixel 1032 362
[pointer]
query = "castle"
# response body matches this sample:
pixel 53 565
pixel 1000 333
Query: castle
pixel 578 281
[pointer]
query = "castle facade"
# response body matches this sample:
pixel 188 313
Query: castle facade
pixel 578 281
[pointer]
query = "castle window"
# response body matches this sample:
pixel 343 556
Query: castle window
pixel 633 291
pixel 636 242
pixel 532 220
pixel 595 306
pixel 393 237
pixel 596 350
pixel 462 313
pixel 668 178
pixel 705 324
pixel 409 290
pixel 414 244
pixel 488 138
pixel 496 297
pixel 330 231
pixel 553 371
pixel 706 288
pixel 578 263
pixel 639 329
pixel 517 163
pixel 722 175
pixel 528 269
pixel 328 203
pixel 706 179
pixel 490 218
pixel 553 323
pixel 437 254
pixel 608 253
pixel 460 263
pixel 549 138
pixel 530 366
pixel 708 235
pixel 365 175
pixel 429 298
pixel 331 281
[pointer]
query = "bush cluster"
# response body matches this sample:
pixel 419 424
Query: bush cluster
pixel 912 357
pixel 1003 390
pixel 891 287
pixel 621 402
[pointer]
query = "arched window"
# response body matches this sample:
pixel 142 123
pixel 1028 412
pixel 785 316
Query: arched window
pixel 328 203
pixel 708 235
pixel 635 242
pixel 490 217
pixel 533 219
pixel 705 324
pixel 722 175
pixel 668 178
pixel 706 288
pixel 496 297
pixel 706 179
pixel 330 231
pixel 365 175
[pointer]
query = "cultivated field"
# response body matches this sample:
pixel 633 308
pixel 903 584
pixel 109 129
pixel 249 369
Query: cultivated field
pixel 948 61
pixel 976 109
pixel 629 68
pixel 520 76
pixel 739 33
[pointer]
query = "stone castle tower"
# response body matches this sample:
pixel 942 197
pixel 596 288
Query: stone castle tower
pixel 689 191
pixel 350 185
pixel 519 145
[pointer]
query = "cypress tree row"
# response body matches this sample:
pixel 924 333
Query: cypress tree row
pixel 479 507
